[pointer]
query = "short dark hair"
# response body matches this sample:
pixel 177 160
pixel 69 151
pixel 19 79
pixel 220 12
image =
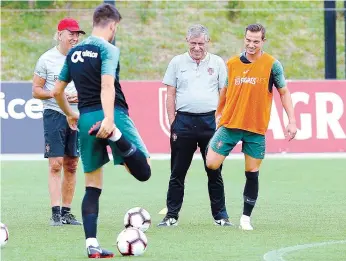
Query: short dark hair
pixel 104 14
pixel 256 28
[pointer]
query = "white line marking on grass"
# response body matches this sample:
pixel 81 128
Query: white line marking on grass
pixel 276 255
pixel 164 156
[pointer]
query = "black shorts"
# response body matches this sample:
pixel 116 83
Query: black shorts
pixel 60 139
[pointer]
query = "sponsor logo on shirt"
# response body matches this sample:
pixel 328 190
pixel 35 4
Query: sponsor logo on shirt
pixel 77 56
pixel 249 80
pixel 239 80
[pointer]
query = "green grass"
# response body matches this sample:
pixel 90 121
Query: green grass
pixel 301 202
pixel 151 33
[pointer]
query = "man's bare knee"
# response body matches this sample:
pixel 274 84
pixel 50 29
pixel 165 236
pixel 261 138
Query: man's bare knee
pixel 212 165
pixel 213 159
pixel 252 164
pixel 70 164
pixel 94 178
pixel 55 165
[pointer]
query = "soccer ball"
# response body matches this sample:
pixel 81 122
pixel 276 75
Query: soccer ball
pixel 3 234
pixel 138 218
pixel 132 242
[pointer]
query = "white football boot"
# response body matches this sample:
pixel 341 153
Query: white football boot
pixel 245 223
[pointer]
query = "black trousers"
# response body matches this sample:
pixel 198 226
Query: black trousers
pixel 187 132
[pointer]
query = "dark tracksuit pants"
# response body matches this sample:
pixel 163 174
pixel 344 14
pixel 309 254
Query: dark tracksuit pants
pixel 187 132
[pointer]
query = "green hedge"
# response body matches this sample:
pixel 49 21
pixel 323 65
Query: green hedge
pixel 151 33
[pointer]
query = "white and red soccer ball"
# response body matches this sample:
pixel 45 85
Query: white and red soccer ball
pixel 3 234
pixel 138 218
pixel 132 242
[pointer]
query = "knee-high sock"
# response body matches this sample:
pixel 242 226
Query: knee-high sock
pixel 90 211
pixel 250 192
pixel 134 159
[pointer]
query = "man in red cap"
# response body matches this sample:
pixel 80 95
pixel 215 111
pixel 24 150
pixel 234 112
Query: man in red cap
pixel 60 140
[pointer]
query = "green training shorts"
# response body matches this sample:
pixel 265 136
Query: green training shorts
pixel 225 139
pixel 93 150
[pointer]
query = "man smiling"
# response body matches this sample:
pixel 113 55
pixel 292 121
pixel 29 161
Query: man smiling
pixel 193 80
pixel 60 140
pixel 244 112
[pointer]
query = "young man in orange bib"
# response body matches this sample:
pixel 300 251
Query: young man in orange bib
pixel 244 112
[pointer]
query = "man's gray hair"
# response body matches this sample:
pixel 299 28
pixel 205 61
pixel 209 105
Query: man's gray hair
pixel 56 37
pixel 197 30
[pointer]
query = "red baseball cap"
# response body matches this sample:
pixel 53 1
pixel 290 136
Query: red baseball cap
pixel 69 24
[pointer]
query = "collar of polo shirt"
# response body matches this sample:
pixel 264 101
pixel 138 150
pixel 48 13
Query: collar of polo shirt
pixel 206 58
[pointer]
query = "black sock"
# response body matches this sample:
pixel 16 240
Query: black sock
pixel 90 211
pixel 250 192
pixel 124 146
pixel 134 159
pixel 138 165
pixel 56 210
pixel 65 210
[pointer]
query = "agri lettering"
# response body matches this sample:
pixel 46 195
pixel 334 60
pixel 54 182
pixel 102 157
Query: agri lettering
pixel 318 115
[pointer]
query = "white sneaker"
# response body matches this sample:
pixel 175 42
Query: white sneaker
pixel 245 223
pixel 224 222
pixel 167 222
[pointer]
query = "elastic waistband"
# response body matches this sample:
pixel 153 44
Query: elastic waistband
pixel 196 114
pixel 91 108
pixel 98 107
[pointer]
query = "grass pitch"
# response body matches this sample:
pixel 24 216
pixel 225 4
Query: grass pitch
pixel 300 202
